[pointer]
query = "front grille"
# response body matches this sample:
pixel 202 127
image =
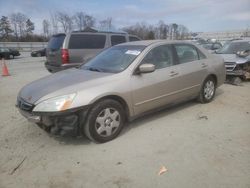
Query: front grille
pixel 23 105
pixel 230 66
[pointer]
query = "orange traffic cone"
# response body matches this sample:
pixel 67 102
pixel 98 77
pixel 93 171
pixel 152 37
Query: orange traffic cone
pixel 5 71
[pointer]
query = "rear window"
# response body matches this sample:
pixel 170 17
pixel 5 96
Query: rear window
pixel 87 41
pixel 56 42
pixel 117 39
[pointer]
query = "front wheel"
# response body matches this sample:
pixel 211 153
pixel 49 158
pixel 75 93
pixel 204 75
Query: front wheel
pixel 207 90
pixel 105 121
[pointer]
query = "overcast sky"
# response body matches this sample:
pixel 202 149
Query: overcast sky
pixel 197 15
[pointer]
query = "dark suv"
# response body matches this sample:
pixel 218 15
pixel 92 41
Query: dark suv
pixel 71 50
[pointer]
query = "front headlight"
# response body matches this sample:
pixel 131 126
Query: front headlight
pixel 55 104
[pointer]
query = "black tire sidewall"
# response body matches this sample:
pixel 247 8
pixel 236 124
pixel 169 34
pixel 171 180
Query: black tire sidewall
pixel 89 128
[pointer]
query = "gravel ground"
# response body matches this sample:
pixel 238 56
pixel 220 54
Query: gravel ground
pixel 200 145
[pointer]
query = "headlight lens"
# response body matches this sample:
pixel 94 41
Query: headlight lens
pixel 55 104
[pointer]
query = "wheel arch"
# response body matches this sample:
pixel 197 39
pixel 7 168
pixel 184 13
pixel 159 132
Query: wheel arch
pixel 214 77
pixel 117 98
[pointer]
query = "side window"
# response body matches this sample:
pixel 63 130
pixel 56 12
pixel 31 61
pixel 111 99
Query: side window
pixel 117 39
pixel 87 41
pixel 160 56
pixel 186 53
pixel 132 38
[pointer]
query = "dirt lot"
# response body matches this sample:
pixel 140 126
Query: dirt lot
pixel 200 145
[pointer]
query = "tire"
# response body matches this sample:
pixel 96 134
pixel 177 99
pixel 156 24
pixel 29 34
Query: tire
pixel 208 89
pixel 105 121
pixel 11 56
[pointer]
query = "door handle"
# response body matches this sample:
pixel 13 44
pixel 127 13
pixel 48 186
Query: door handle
pixel 173 73
pixel 203 65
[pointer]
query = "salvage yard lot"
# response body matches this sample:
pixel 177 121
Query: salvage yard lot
pixel 201 145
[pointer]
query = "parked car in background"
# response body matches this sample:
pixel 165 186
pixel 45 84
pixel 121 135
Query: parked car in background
pixel 236 55
pixel 120 84
pixel 211 47
pixel 223 42
pixel 199 41
pixel 14 52
pixel 8 53
pixel 38 53
pixel 72 50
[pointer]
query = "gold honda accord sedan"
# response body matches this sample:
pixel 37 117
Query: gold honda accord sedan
pixel 120 84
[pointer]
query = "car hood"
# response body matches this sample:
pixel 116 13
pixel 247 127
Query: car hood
pixel 234 58
pixel 58 81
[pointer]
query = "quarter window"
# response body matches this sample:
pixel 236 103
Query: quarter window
pixel 186 53
pixel 132 38
pixel 117 39
pixel 85 41
pixel 160 56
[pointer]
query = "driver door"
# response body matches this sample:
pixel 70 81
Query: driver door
pixel 158 88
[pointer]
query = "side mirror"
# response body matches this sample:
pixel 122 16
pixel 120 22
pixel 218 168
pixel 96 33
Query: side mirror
pixel 146 68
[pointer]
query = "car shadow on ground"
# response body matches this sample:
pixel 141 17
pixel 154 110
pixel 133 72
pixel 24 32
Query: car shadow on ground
pixel 149 117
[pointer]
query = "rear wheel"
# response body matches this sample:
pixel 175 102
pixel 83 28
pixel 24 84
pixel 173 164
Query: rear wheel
pixel 207 90
pixel 105 121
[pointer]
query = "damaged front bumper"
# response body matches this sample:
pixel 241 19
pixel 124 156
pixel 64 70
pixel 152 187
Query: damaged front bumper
pixel 239 70
pixel 62 123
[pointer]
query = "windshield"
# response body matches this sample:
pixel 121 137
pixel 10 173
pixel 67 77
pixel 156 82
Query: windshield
pixel 56 42
pixel 234 47
pixel 114 60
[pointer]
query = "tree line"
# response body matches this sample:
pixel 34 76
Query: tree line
pixel 19 27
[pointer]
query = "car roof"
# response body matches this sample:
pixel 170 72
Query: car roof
pixel 238 41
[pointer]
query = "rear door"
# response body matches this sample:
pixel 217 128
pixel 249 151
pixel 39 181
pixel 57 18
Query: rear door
pixel 83 46
pixel 53 50
pixel 192 64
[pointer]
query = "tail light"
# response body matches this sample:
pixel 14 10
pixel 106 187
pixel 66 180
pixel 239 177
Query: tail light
pixel 65 56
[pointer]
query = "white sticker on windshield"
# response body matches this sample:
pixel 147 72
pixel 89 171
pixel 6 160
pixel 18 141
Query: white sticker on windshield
pixel 133 52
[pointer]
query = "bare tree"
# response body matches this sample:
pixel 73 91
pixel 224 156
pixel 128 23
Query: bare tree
pixel 54 23
pixel 18 21
pixel 79 19
pixel 65 20
pixel 89 21
pixel 182 32
pixel 106 24
pixel 46 26
pixel 162 30
pixel 174 30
